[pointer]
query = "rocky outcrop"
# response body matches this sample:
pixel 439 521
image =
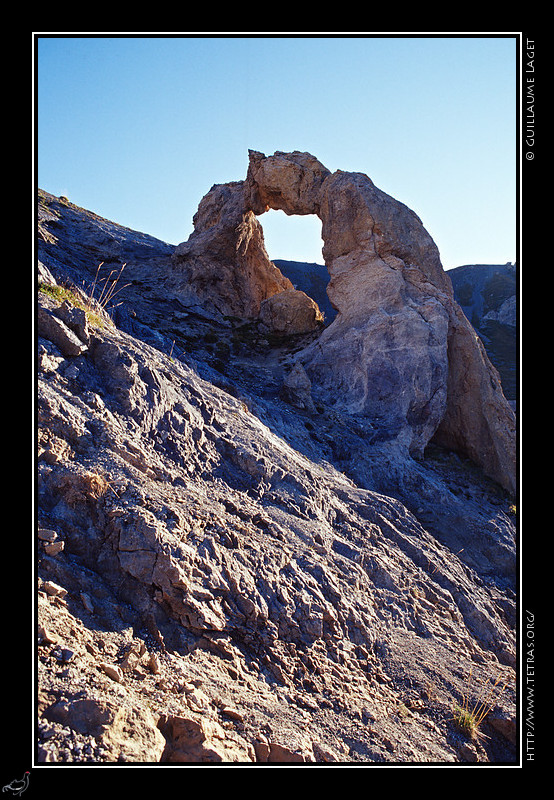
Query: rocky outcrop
pixel 399 349
pixel 506 314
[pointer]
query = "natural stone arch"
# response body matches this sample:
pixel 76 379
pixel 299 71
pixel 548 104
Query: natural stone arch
pixel 376 358
pixel 400 350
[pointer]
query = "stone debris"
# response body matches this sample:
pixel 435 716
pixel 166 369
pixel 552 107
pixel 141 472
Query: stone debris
pixel 112 671
pixel 54 590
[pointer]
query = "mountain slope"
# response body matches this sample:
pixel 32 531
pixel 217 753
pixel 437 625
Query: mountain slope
pixel 219 579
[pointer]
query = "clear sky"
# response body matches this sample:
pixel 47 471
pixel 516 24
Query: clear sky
pixel 138 129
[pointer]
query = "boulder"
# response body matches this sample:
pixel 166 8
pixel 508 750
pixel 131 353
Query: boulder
pixel 297 388
pixel 51 326
pixel 202 740
pixel 127 734
pixel 290 312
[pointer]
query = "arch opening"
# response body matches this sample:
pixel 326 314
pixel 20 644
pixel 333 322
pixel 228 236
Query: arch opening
pixel 294 244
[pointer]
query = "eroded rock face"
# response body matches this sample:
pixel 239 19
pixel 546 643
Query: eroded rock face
pixel 399 351
pixel 478 420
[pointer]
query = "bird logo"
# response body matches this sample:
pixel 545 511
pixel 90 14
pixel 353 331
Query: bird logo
pixel 17 787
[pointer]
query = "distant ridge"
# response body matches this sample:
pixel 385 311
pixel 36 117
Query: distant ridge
pixel 487 295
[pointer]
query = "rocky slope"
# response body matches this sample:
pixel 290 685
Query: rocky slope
pixel 228 569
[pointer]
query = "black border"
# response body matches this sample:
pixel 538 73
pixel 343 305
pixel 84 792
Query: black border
pixel 20 750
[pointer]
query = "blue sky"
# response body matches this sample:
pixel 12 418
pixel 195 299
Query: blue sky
pixel 137 129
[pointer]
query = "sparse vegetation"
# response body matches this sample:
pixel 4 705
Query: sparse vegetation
pixel 96 309
pixel 468 715
pixel 77 299
pixel 109 288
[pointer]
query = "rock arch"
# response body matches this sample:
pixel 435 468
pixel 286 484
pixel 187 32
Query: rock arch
pixel 400 350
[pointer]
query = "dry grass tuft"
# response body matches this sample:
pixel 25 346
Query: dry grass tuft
pixel 468 715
